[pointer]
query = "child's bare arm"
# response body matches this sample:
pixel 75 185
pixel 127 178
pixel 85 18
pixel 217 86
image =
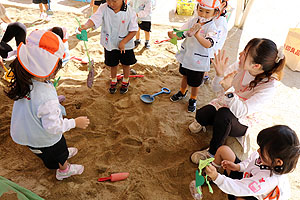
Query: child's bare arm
pixel 203 41
pixel 126 40
pixel 87 25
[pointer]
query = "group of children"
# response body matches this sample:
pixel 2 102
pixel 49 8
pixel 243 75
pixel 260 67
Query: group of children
pixel 37 117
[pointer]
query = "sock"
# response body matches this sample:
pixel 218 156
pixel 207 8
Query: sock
pixel 216 166
pixel 65 170
pixel 147 41
pixel 182 90
pixel 193 97
pixel 114 80
pixel 138 40
pixel 125 80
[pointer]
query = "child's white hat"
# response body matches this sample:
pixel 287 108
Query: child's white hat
pixel 41 53
pixel 209 4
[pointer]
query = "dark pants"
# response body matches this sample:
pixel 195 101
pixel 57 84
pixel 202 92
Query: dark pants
pixel 15 30
pixel 224 124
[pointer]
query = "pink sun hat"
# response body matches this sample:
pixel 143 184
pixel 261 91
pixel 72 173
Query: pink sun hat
pixel 41 53
pixel 209 4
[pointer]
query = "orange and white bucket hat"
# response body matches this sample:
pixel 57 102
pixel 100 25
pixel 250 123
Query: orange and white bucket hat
pixel 210 4
pixel 41 53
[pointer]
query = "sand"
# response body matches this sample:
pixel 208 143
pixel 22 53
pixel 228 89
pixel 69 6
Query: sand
pixel 151 142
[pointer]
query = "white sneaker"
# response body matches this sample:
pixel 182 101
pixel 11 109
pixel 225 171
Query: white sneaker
pixel 194 191
pixel 195 127
pixel 72 152
pixel 200 155
pixel 73 170
pixel 48 18
pixel 43 15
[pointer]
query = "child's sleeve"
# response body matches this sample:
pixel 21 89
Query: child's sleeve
pixel 188 25
pixel 97 17
pixel 256 185
pixel 147 10
pixel 133 26
pixel 212 35
pixel 51 117
pixel 244 164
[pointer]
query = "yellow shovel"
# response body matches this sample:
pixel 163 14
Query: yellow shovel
pixel 8 75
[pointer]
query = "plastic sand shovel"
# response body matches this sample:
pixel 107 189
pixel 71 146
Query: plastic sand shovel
pixel 147 98
pixel 161 41
pixel 84 60
pixel 8 74
pixel 115 177
pixel 83 36
pixel 49 11
pixel 120 76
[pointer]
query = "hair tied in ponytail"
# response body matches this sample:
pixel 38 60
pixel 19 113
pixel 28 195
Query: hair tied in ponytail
pixel 280 54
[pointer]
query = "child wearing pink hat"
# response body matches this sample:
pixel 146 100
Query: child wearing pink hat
pixel 37 120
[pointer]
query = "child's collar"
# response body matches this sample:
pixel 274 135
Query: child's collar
pixel 123 7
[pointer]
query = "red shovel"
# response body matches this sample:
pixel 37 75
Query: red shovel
pixel 120 76
pixel 115 177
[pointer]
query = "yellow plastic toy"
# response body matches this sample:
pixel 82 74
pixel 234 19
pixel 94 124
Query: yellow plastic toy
pixel 8 75
pixel 185 7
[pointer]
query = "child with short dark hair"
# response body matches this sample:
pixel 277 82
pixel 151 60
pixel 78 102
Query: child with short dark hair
pixel 263 175
pixel 37 120
pixel 119 26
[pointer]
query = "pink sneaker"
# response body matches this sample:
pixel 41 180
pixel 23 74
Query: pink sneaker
pixel 73 170
pixel 72 152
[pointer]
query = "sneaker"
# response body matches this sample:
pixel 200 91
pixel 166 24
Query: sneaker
pixel 113 87
pixel 43 15
pixel 48 18
pixel 178 96
pixel 194 191
pixel 147 45
pixel 192 105
pixel 200 155
pixel 124 88
pixel 195 127
pixel 137 43
pixel 206 79
pixel 73 170
pixel 72 152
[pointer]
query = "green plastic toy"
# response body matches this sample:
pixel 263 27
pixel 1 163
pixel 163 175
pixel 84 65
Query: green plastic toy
pixel 55 82
pixel 179 33
pixel 83 36
pixel 200 180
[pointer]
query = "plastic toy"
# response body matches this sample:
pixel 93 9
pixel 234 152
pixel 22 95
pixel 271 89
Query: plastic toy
pixel 84 60
pixel 115 177
pixel 147 98
pixel 8 74
pixel 200 180
pixel 120 76
pixel 161 41
pixel 55 82
pixel 49 11
pixel 83 36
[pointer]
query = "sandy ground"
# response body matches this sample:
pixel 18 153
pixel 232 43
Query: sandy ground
pixel 149 141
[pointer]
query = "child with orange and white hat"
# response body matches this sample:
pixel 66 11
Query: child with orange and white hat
pixel 37 120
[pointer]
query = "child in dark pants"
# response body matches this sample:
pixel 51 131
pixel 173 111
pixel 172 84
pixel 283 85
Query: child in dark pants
pixel 42 4
pixel 119 26
pixel 143 9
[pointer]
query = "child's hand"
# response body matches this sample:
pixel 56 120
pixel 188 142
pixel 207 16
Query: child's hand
pixel 122 46
pixel 211 171
pixel 82 122
pixel 230 165
pixel 220 63
pixel 171 34
pixel 226 83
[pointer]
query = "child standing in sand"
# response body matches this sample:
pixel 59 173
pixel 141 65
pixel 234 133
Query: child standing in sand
pixel 37 120
pixel 119 26
pixel 264 174
pixel 195 50
pixel 143 9
pixel 43 4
